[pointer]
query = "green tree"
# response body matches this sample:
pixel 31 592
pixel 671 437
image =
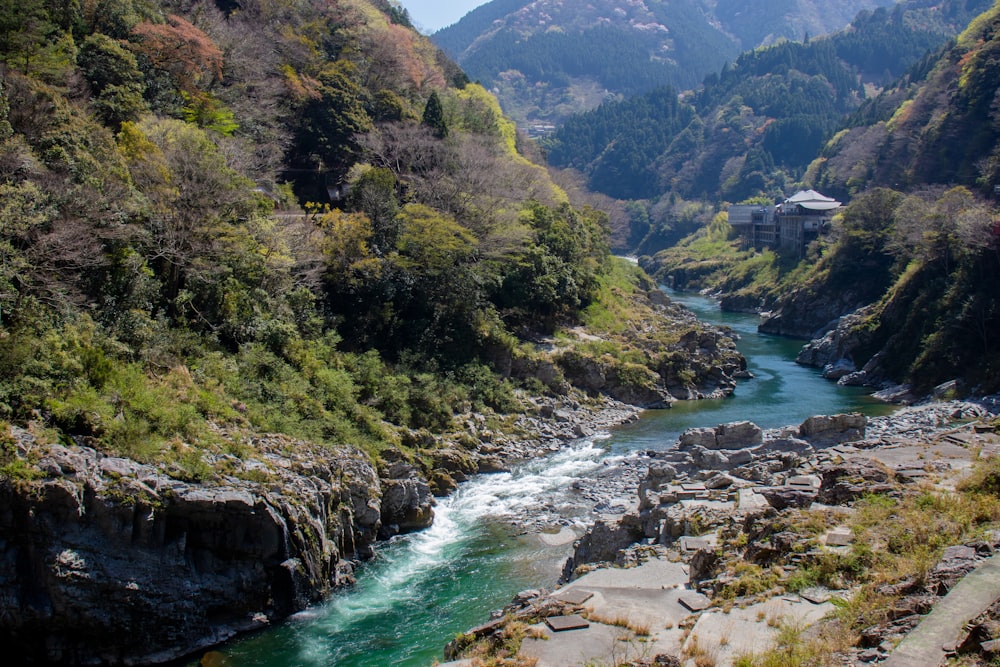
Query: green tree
pixel 6 131
pixel 24 208
pixel 374 194
pixel 194 198
pixel 32 43
pixel 329 127
pixel 434 116
pixel 114 77
pixel 435 260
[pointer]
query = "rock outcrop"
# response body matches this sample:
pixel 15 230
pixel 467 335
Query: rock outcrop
pixel 692 487
pixel 810 312
pixel 670 356
pixel 104 560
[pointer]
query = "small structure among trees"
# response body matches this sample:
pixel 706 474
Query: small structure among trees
pixel 790 225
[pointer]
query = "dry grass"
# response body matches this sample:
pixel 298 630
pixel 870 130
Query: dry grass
pixel 702 655
pixel 795 645
pixel 897 537
pixel 639 628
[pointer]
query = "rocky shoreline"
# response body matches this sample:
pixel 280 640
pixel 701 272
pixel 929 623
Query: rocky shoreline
pixel 726 495
pixel 106 560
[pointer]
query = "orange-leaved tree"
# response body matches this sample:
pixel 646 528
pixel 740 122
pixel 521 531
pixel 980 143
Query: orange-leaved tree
pixel 182 50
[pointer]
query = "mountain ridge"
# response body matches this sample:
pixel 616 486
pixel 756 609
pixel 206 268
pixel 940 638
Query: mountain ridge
pixel 530 54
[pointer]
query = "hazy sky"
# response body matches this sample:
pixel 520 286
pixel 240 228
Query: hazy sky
pixel 431 15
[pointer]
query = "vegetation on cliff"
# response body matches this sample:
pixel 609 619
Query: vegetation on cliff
pixel 916 246
pixel 295 218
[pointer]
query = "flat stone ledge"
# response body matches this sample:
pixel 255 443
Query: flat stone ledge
pixel 574 596
pixel 570 622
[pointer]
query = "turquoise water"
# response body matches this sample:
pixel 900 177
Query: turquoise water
pixel 781 392
pixel 424 588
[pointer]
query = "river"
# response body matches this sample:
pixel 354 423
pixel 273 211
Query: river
pixel 424 588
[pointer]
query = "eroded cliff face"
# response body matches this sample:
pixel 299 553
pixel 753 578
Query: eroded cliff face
pixel 107 561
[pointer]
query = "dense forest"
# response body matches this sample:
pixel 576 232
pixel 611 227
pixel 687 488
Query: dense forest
pixel 758 123
pixel 292 217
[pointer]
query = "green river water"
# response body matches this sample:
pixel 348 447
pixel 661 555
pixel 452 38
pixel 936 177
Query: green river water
pixel 424 588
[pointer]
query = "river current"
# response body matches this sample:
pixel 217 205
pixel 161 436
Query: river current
pixel 424 588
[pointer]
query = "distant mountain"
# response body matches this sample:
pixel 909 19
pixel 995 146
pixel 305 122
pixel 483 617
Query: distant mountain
pixel 754 127
pixel 551 58
pixel 910 267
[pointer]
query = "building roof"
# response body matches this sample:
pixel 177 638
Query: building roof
pixel 812 200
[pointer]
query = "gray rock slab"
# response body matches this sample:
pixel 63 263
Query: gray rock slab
pixel 600 644
pixel 750 629
pixel 806 481
pixel 815 595
pixel 574 595
pixel 839 537
pixel 911 474
pixel 750 500
pixel 944 625
pixel 695 601
pixel 691 544
pixel 570 622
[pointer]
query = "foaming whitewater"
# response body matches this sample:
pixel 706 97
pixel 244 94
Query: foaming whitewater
pixel 520 493
pixel 467 557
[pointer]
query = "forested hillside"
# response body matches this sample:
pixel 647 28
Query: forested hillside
pixel 297 218
pixel 936 125
pixel 757 124
pixel 547 60
pixel 904 286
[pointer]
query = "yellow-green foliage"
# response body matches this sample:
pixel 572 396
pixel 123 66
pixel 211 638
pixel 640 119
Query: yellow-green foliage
pixel 612 311
pixel 977 27
pixel 482 103
pixel 750 579
pixel 900 115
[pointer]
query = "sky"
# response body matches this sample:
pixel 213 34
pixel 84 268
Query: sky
pixel 432 15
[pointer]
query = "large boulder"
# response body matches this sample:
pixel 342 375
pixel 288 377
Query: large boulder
pixel 738 435
pixel 734 435
pixel 407 502
pixel 833 429
pixel 844 482
pixel 836 348
pixel 602 542
pixel 781 497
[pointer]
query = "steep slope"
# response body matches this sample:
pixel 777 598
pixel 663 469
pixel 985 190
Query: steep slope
pixel 903 288
pixel 936 125
pixel 938 247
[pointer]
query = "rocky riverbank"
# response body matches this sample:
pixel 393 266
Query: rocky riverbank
pixel 761 530
pixel 108 560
